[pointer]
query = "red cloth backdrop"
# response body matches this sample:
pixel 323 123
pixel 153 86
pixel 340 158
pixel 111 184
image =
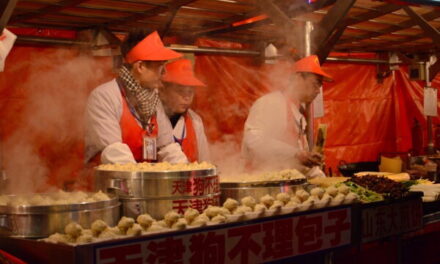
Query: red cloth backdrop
pixel 44 91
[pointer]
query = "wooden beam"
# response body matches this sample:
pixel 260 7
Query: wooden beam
pixel 403 25
pixel 378 12
pixel 6 9
pixel 430 30
pixel 150 13
pixel 166 28
pixel 331 21
pixel 325 47
pixel 46 10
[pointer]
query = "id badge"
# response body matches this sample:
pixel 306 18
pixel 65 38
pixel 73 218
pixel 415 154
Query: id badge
pixel 149 150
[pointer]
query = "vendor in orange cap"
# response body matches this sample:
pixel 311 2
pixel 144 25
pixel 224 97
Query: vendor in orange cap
pixel 274 133
pixel 125 120
pixel 177 95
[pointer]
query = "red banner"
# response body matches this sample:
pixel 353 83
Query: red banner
pixel 254 243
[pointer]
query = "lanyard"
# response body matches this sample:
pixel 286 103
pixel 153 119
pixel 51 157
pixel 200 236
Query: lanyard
pixel 180 141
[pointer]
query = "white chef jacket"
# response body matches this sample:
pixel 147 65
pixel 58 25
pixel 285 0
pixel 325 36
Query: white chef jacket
pixel 270 140
pixel 7 39
pixel 202 142
pixel 103 131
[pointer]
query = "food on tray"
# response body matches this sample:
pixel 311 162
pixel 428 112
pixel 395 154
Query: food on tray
pixel 73 229
pixel 266 176
pixel 156 167
pixel 381 185
pixel 365 195
pixel 283 197
pixel 218 219
pixel 180 224
pixel 134 230
pixel 190 214
pixel 399 177
pixel 267 200
pixel 325 182
pixel 56 198
pixel 145 220
pixel 125 223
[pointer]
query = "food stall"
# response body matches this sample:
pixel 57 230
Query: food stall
pixel 125 214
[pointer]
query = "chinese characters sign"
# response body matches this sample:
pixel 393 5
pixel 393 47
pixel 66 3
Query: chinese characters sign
pixel 254 243
pixel 391 219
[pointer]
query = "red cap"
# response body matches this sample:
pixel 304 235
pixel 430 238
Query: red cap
pixel 311 64
pixel 151 48
pixel 181 72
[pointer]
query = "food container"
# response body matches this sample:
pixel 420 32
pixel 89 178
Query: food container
pixel 239 190
pixel 41 221
pixel 158 192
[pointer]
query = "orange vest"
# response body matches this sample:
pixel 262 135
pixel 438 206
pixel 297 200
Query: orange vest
pixel 132 133
pixel 189 143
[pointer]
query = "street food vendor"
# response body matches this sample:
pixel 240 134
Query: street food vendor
pixel 177 94
pixel 125 119
pixel 275 129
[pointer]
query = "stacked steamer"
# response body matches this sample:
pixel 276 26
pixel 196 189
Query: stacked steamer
pixel 259 185
pixel 157 188
pixel 39 215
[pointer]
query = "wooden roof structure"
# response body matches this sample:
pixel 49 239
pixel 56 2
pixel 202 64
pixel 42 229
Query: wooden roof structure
pixel 342 25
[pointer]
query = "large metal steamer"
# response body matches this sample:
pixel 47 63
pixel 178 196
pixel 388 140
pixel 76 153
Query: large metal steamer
pixel 157 192
pixel 258 189
pixel 28 221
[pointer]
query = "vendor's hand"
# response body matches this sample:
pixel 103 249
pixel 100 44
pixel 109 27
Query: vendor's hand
pixel 309 159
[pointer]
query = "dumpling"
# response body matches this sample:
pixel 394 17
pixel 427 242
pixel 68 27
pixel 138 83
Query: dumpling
pixel 219 219
pixel 283 197
pixel 343 189
pixel 125 223
pixel 267 200
pixel 224 211
pixel 191 214
pixel 73 229
pixel 212 211
pixel 276 205
pixel 259 208
pixel 302 195
pixel 145 220
pixel 180 224
pixel 248 201
pixel 134 230
pixel 171 217
pixel 84 238
pixel 98 226
pixel 230 204
pixel 332 191
pixel 317 192
pixel 242 209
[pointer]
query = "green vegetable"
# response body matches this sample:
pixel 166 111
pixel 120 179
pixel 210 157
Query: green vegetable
pixel 364 194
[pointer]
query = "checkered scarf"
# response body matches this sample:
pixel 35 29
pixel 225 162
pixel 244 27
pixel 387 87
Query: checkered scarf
pixel 144 100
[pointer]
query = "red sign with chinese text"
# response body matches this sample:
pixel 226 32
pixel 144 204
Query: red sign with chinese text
pixel 391 219
pixel 264 241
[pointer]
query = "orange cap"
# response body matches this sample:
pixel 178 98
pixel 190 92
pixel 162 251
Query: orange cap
pixel 151 48
pixel 181 72
pixel 311 64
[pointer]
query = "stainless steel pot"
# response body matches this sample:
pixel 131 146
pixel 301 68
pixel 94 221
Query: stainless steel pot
pixel 156 193
pixel 42 221
pixel 164 184
pixel 239 190
pixel 157 208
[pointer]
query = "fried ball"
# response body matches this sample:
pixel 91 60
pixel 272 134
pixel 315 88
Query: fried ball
pixel 224 211
pixel 212 211
pixel 171 217
pixel 276 205
pixel 242 209
pixel 83 239
pixel 302 195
